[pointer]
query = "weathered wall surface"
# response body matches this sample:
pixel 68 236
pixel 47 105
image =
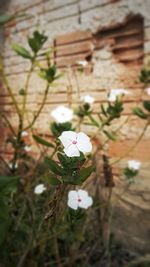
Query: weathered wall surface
pixel 118 42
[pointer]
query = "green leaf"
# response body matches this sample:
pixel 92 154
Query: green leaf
pixel 5 220
pixel 63 159
pixel 52 179
pixel 54 167
pixel 103 110
pixel 42 141
pixel 139 112
pixel 84 174
pixel 58 128
pixel 8 183
pixel 94 122
pixel 110 135
pixel 36 42
pixel 22 91
pixel 21 51
pixel 5 18
pixel 130 173
pixel 146 105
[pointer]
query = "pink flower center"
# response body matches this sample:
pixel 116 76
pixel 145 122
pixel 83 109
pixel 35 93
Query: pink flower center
pixel 79 199
pixel 74 142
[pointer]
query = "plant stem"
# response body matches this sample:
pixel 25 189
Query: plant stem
pixel 26 87
pixel 40 109
pixel 9 90
pixel 8 122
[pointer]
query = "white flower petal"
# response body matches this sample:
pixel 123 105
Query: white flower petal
pixel 39 189
pixel 72 199
pixel 83 63
pixel 73 194
pixel 148 91
pixel 24 133
pixel 134 165
pixel 72 151
pixel 62 114
pixel 27 148
pixel 83 143
pixel 82 193
pixel 85 200
pixel 88 99
pixel 73 204
pixel 67 137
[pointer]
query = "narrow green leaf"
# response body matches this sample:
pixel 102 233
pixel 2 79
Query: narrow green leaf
pixel 5 18
pixel 8 183
pixel 54 167
pixel 21 51
pixel 110 135
pixel 42 141
pixel 52 179
pixel 146 105
pixel 139 112
pixel 84 174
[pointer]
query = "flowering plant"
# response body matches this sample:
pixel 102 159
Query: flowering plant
pixel 45 200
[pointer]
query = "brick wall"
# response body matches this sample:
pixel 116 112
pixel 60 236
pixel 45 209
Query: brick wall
pixel 114 36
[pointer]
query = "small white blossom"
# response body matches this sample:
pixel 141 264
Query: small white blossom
pixel 114 93
pixel 39 189
pixel 75 142
pixel 88 99
pixel 62 114
pixel 27 148
pixel 148 91
pixel 82 63
pixel 134 165
pixel 24 133
pixel 79 199
pixel 11 165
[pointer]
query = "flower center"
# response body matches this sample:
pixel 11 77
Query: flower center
pixel 74 142
pixel 79 199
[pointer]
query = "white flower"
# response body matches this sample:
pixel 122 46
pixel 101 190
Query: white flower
pixel 27 148
pixel 62 114
pixel 148 91
pixel 79 199
pixel 82 63
pixel 11 165
pixel 39 189
pixel 114 93
pixel 88 99
pixel 134 165
pixel 24 133
pixel 74 143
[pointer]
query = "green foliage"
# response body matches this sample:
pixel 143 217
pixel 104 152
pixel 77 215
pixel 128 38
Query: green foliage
pixel 22 92
pixel 21 51
pixel 8 184
pixel 5 18
pixel 114 110
pixel 140 113
pixel 5 219
pixel 42 141
pixel 84 110
pixel 146 105
pixel 130 174
pixel 58 128
pixel 37 41
pixel 111 135
pixel 52 179
pixel 145 76
pixel 48 74
pixel 54 167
